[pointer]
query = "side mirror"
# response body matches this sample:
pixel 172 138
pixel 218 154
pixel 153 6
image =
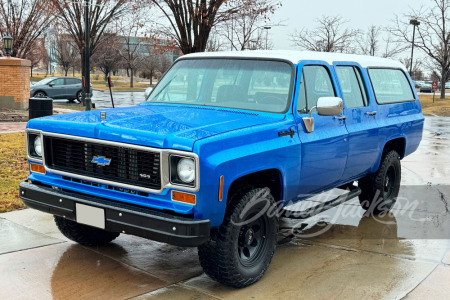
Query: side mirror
pixel 147 93
pixel 326 106
pixel 330 106
pixel 51 84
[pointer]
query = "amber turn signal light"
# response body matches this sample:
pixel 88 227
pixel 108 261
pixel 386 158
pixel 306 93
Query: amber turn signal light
pixel 37 168
pixel 221 188
pixel 184 197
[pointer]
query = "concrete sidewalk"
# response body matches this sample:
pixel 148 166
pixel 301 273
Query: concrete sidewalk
pixel 403 254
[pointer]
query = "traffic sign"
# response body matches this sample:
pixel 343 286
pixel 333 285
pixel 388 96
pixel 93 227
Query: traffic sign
pixel 435 85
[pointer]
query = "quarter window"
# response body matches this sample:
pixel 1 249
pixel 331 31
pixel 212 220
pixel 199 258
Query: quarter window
pixel 352 86
pixel 315 83
pixel 390 86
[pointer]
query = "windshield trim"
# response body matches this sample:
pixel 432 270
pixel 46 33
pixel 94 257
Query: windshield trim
pixel 291 86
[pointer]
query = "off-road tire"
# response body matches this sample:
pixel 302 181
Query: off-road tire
pixel 83 234
pixel 223 257
pixel 379 191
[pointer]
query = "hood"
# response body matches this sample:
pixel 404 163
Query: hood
pixel 154 125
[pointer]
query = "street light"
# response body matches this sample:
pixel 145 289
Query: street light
pixel 8 44
pixel 267 28
pixel 415 23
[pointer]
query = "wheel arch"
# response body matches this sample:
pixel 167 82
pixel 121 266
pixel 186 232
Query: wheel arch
pixel 397 143
pixel 270 178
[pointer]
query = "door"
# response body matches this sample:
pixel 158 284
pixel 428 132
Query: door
pixel 57 89
pixel 360 120
pixel 73 85
pixel 324 151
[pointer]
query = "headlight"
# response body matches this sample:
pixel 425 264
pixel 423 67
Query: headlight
pixel 38 146
pixel 183 171
pixel 34 145
pixel 186 170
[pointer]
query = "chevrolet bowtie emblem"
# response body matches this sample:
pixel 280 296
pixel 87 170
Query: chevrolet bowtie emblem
pixel 101 161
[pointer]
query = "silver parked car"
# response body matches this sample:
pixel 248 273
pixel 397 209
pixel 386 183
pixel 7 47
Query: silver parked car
pixel 69 88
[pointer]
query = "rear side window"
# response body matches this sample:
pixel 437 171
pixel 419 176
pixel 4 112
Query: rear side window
pixel 390 86
pixel 73 81
pixel 352 86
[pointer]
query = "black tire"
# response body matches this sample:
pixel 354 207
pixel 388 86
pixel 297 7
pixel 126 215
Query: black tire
pixel 83 234
pixel 80 96
pixel 40 94
pixel 242 248
pixel 379 191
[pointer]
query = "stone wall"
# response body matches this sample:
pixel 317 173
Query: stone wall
pixel 14 83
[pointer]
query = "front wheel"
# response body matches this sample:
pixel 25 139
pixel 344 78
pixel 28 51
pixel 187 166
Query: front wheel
pixel 40 94
pixel 83 234
pixel 80 96
pixel 379 191
pixel 243 246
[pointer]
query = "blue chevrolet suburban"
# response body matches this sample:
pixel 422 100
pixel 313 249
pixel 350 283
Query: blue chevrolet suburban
pixel 221 146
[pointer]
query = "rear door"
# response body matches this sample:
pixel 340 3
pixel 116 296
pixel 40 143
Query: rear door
pixel 324 151
pixel 73 85
pixel 360 113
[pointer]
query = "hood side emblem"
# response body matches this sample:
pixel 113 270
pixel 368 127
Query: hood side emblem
pixel 103 116
pixel 101 161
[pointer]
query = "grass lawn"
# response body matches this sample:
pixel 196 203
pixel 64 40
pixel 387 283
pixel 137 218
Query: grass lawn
pixel 13 169
pixel 439 107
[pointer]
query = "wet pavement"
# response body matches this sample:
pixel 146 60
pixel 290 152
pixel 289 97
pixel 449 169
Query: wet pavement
pixel 102 99
pixel 340 253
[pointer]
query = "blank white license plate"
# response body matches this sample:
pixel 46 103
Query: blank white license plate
pixel 91 216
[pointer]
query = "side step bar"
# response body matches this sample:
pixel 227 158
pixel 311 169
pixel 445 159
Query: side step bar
pixel 310 212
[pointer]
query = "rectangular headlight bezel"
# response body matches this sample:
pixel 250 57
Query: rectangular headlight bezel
pixel 174 159
pixel 31 153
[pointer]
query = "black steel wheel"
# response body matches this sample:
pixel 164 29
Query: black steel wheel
pixel 242 248
pixel 379 191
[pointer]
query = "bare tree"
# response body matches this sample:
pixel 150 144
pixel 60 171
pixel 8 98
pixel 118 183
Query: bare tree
pixel 66 53
pixel 432 36
pixel 25 21
pixel 330 35
pixel 102 12
pixel 244 27
pixel 417 73
pixel 37 54
pixel 190 21
pixel 107 57
pixel 377 41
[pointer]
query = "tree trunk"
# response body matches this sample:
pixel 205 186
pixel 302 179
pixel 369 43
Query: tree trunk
pixel 151 77
pixel 128 72
pixel 132 78
pixel 31 71
pixel 73 71
pixel 444 75
pixel 83 102
pixel 66 71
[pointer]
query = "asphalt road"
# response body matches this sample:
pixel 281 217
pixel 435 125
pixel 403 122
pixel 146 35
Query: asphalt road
pixel 340 254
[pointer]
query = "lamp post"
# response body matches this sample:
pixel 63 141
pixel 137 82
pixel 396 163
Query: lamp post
pixel 87 52
pixel 267 28
pixel 8 44
pixel 415 23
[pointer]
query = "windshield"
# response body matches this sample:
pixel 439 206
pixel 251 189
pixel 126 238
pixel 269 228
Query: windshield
pixel 44 81
pixel 233 83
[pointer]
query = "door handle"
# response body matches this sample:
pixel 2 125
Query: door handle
pixel 341 118
pixel 371 113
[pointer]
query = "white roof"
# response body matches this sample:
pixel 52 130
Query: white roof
pixel 296 56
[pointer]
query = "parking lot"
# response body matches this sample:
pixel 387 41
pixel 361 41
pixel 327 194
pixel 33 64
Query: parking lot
pixel 340 253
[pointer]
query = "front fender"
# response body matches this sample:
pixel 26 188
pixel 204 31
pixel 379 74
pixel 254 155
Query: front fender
pixel 242 152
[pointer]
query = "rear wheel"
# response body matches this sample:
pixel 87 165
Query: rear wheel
pixel 40 94
pixel 379 191
pixel 83 234
pixel 80 96
pixel 243 246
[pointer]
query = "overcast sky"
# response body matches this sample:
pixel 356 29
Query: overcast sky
pixel 359 13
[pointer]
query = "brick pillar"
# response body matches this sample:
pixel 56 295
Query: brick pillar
pixel 14 83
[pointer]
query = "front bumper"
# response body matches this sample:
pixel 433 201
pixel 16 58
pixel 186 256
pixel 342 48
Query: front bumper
pixel 119 217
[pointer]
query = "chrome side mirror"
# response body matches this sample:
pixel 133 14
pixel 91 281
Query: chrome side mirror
pixel 147 93
pixel 330 106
